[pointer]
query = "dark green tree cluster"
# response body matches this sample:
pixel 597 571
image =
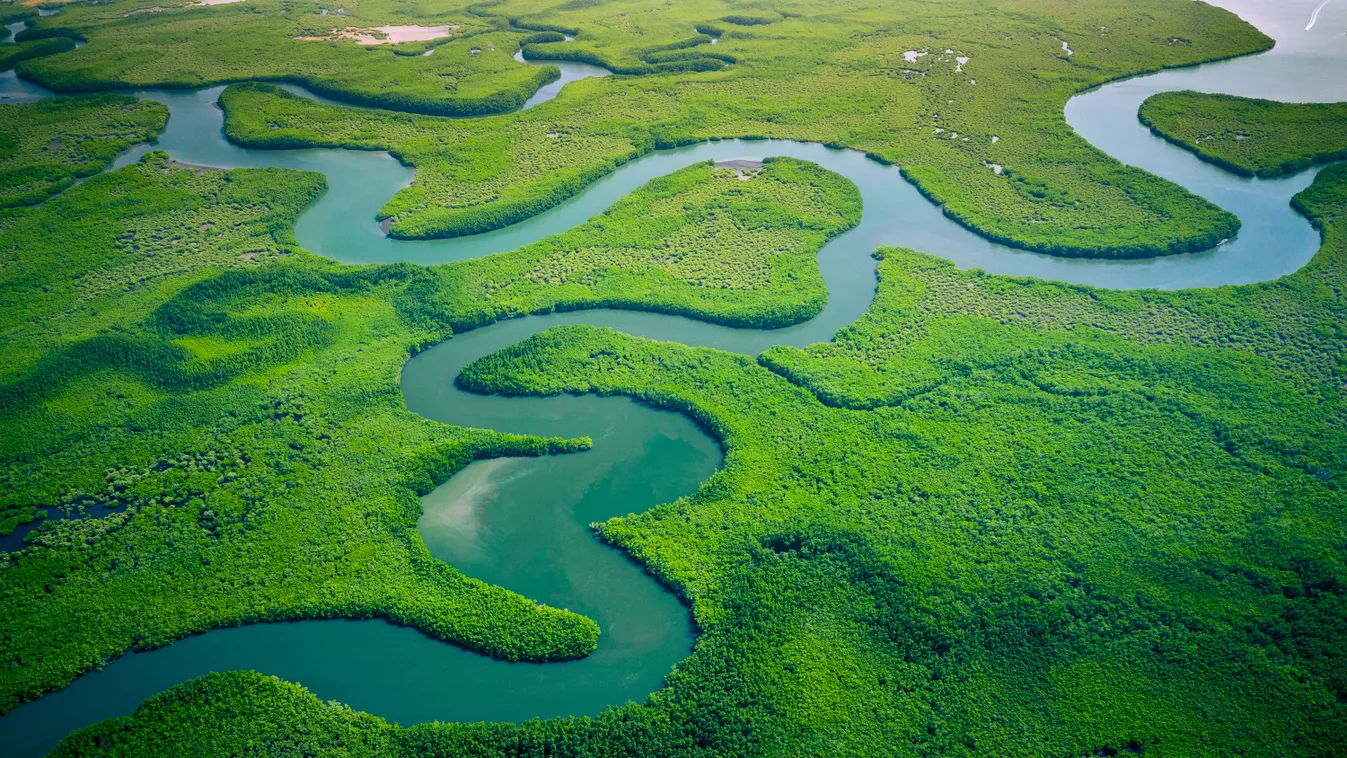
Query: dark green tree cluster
pixel 45 146
pixel 1087 539
pixel 222 402
pixel 699 242
pixel 747 20
pixel 1248 136
pixel 833 73
pixel 11 55
pixel 664 58
pixel 133 47
pixel 995 515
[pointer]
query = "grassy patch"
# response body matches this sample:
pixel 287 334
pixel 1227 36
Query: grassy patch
pixel 187 47
pixel 1248 136
pixel 826 72
pixel 995 515
pixel 45 146
pixel 1111 543
pixel 170 354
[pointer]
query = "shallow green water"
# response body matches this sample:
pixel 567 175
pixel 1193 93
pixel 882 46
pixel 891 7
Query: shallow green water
pixel 522 524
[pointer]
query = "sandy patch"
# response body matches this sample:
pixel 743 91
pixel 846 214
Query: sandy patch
pixel 744 168
pixel 392 35
pixel 383 35
pixel 197 4
pixel 452 515
pixel 195 168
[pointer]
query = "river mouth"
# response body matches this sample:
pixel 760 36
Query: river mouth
pixel 474 521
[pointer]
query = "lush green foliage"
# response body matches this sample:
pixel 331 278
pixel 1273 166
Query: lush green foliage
pixel 698 242
pixel 656 59
pixel 45 145
pixel 994 516
pixel 184 399
pixel 10 55
pixel 924 306
pixel 1248 136
pixel 171 355
pixel 828 72
pixel 199 46
pixel 1085 539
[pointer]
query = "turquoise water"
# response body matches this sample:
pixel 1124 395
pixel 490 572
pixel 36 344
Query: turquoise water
pixel 1274 240
pixel 522 524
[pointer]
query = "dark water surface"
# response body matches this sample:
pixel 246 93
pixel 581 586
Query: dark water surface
pixel 523 523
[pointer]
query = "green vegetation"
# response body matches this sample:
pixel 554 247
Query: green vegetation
pixel 1248 136
pixel 182 47
pixel 226 412
pixel 45 146
pixel 10 15
pixel 829 72
pixel 10 55
pixel 698 242
pixel 1093 536
pixel 170 354
pixel 995 515
pixel 665 58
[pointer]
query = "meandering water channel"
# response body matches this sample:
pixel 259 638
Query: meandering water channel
pixel 522 523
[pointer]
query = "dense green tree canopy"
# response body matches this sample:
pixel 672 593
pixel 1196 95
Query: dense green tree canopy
pixel 1084 537
pixel 1249 136
pixel 946 91
pixel 995 515
pixel 174 347
pixel 45 146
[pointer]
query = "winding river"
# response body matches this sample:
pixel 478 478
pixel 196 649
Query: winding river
pixel 521 523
